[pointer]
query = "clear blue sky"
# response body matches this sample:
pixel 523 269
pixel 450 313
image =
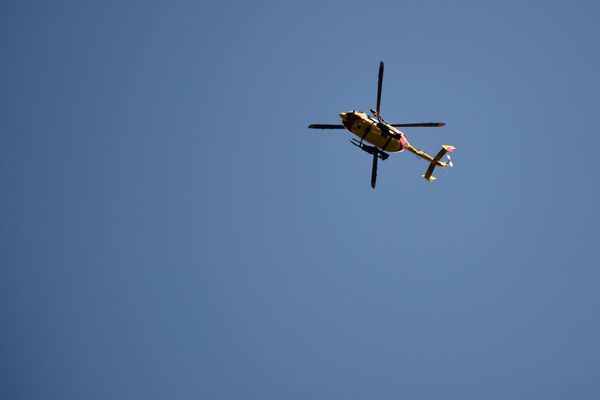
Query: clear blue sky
pixel 169 228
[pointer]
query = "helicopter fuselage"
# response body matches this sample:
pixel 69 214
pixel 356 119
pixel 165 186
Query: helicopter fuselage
pixel 378 133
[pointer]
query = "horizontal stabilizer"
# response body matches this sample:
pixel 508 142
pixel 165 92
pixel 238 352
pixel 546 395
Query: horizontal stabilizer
pixel 449 148
pixel 436 162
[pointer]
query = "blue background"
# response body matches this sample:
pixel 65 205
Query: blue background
pixel 170 228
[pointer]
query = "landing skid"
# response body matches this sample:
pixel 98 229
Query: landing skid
pixel 370 149
pixel 376 153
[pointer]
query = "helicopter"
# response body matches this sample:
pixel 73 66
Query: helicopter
pixel 385 137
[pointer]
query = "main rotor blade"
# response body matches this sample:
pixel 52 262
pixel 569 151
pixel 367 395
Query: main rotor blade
pixel 379 83
pixel 374 170
pixel 326 126
pixel 420 124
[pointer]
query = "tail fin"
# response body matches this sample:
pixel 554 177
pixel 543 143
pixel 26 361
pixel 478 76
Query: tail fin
pixel 436 161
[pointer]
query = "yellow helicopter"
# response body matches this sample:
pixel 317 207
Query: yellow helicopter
pixel 385 137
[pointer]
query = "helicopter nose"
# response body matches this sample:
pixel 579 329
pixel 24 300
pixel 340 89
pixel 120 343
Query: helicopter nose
pixel 343 116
